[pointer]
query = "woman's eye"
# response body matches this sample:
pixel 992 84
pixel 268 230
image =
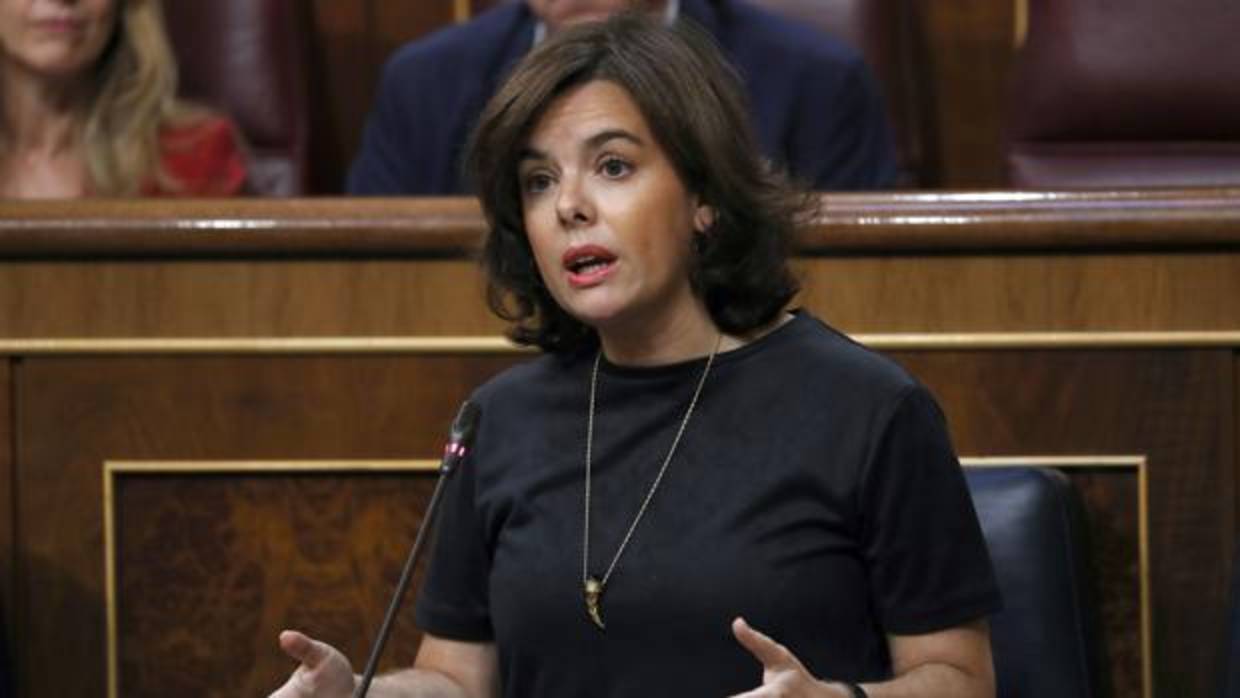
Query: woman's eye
pixel 537 182
pixel 614 167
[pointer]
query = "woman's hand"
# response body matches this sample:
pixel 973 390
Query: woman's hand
pixel 783 674
pixel 323 673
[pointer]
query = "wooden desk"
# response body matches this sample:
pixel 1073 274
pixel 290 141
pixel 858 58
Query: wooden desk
pixel 254 382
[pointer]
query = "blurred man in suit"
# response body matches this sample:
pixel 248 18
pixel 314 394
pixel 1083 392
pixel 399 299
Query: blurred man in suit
pixel 817 109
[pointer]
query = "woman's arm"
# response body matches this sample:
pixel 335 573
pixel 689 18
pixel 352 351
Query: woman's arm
pixel 951 663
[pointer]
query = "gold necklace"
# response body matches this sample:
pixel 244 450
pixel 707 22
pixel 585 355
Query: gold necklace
pixel 591 585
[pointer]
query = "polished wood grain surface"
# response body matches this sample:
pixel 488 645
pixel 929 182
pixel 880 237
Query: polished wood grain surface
pixel 452 227
pixel 275 550
pixel 239 298
pixel 971 56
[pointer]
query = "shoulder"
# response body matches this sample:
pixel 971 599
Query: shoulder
pixel 524 380
pixel 203 156
pixel 448 52
pixel 828 362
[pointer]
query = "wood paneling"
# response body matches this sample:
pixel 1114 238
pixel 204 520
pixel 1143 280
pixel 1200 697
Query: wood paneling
pixel 320 553
pixel 934 263
pixel 973 293
pixel 190 409
pixel 1026 292
pixel 203 298
pixel 1174 407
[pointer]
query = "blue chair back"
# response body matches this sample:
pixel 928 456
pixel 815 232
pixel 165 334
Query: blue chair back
pixel 1047 638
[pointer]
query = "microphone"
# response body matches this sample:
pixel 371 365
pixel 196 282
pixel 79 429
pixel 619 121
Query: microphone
pixel 460 439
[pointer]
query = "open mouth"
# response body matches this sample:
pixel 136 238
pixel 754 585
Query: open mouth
pixel 588 263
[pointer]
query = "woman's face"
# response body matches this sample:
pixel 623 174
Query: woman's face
pixel 607 216
pixel 55 38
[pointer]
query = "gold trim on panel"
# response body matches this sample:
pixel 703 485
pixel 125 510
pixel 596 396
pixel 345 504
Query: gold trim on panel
pixel 111 469
pixel 260 345
pixel 500 345
pixel 461 11
pixel 1135 462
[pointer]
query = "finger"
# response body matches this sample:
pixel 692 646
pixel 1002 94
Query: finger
pixel 304 648
pixel 772 654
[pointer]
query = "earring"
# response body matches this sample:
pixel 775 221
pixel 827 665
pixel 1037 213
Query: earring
pixel 703 219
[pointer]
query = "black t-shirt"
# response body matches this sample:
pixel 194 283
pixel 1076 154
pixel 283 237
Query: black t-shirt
pixel 815 492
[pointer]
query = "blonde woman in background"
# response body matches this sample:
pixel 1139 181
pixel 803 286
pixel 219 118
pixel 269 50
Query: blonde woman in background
pixel 88 107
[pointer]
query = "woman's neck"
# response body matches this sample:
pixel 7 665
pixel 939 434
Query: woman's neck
pixel 40 154
pixel 40 113
pixel 676 339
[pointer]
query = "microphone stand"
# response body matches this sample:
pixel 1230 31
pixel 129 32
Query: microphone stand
pixel 461 437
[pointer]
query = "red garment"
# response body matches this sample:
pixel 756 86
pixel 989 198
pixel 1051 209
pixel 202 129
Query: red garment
pixel 203 158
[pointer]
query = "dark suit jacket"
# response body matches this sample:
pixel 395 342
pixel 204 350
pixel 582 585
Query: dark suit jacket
pixel 814 104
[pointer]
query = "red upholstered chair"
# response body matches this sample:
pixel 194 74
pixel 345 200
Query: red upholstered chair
pixel 1134 93
pixel 888 35
pixel 247 58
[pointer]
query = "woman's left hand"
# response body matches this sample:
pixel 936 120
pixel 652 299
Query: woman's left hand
pixel 783 674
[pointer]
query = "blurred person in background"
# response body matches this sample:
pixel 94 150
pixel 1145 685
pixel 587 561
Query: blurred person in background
pixel 818 111
pixel 88 107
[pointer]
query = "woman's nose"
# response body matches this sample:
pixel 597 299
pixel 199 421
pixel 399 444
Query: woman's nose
pixel 572 205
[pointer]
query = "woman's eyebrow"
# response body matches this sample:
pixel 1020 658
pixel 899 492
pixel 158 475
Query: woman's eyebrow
pixel 606 135
pixel 593 143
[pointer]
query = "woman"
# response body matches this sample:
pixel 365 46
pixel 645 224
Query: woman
pixel 88 107
pixel 687 453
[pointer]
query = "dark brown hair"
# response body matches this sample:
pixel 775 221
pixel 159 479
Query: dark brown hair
pixel 692 100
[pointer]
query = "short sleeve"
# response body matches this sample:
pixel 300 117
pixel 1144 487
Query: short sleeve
pixel 928 562
pixel 454 601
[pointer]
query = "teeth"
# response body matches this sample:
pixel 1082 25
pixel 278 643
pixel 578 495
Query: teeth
pixel 582 264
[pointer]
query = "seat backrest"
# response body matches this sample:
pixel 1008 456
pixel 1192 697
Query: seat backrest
pixel 247 58
pixel 1134 93
pixel 887 34
pixel 1229 683
pixel 1047 638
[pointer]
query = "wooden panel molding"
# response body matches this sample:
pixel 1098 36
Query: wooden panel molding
pixel 885 223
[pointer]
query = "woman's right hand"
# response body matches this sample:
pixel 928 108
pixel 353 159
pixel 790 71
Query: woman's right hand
pixel 323 673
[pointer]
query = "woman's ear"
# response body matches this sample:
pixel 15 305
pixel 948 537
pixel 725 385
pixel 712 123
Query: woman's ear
pixel 703 218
